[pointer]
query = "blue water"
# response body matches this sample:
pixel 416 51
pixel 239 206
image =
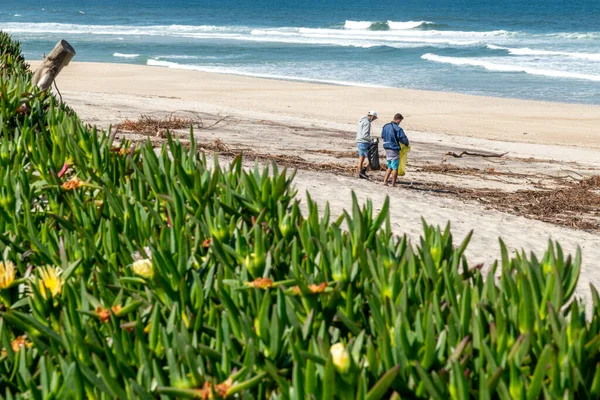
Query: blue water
pixel 545 50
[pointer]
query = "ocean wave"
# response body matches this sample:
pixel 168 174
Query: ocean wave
pixel 242 72
pixel 526 51
pixel 177 57
pixel 576 35
pixel 150 30
pixel 397 34
pixel 385 25
pixel 316 38
pixel 500 67
pixel 125 55
pixel 366 38
pixel 187 57
pixel 208 30
pixel 397 38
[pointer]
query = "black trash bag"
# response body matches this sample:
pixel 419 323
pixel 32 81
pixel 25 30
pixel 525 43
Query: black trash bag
pixel 374 155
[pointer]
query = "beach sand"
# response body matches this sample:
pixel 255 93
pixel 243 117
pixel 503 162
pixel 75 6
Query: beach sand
pixel 550 147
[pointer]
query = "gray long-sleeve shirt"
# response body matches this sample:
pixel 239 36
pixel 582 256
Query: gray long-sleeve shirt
pixel 363 134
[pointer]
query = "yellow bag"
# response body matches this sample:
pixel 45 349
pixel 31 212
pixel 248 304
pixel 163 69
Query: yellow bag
pixel 403 160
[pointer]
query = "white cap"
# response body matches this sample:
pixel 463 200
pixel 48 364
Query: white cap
pixel 372 114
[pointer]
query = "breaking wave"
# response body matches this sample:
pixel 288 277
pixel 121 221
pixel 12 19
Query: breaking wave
pixel 386 25
pixel 526 51
pixel 501 67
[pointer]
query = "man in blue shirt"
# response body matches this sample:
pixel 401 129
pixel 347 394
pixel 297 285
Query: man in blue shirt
pixel 393 138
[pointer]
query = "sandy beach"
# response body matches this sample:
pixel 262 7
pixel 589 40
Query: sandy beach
pixel 528 196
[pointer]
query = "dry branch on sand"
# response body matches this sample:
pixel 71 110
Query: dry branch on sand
pixel 469 153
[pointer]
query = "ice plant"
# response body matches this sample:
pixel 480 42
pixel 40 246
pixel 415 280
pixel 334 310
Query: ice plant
pixel 49 280
pixel 7 274
pixel 143 268
pixel 340 357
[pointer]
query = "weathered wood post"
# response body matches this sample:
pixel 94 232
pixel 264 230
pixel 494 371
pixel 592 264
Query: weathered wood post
pixel 58 58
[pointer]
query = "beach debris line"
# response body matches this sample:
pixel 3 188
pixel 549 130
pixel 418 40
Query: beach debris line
pixel 148 124
pixel 58 58
pixel 563 201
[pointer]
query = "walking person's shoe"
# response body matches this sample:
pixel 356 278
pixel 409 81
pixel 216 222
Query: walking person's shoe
pixel 363 174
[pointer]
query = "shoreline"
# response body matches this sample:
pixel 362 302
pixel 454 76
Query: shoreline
pixel 184 67
pixel 455 114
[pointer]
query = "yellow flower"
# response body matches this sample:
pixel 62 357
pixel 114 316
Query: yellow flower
pixel 143 268
pixel 49 279
pixel 7 274
pixel 341 357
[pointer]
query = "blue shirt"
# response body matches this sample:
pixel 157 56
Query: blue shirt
pixel 393 136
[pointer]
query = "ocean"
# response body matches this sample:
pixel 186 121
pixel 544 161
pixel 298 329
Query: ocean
pixel 537 49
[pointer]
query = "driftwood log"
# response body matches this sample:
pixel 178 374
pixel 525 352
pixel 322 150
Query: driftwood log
pixel 58 58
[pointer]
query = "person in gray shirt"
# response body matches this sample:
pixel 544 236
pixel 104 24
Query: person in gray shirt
pixel 363 140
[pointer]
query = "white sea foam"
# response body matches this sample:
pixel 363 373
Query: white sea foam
pixel 526 51
pixel 358 24
pixel 242 72
pixel 125 55
pixel 576 35
pixel 284 35
pixel 150 30
pixel 177 57
pixel 392 25
pixel 188 57
pixel 408 24
pixel 18 15
pixel 366 38
pixel 500 67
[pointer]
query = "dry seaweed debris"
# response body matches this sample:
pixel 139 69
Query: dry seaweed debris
pixel 576 205
pixel 158 126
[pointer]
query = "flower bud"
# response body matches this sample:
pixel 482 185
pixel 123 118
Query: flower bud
pixel 143 268
pixel 341 358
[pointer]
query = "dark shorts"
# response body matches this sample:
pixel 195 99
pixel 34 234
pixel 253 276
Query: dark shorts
pixel 363 149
